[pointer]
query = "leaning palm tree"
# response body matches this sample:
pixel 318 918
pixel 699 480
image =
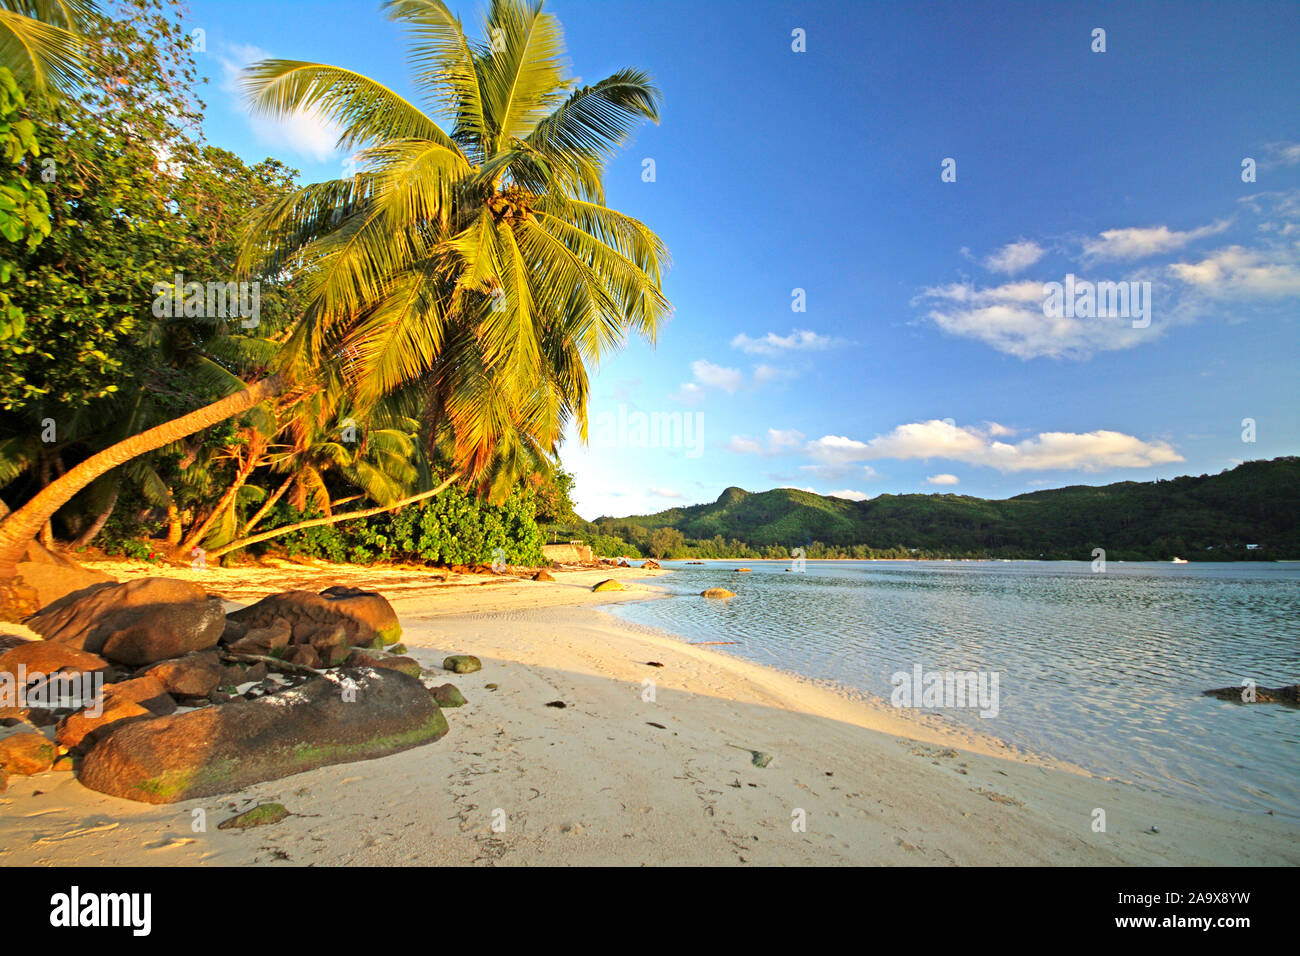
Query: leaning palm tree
pixel 479 265
pixel 40 41
pixel 471 269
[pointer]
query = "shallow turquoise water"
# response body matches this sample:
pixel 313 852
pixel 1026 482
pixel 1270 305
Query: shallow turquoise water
pixel 1103 670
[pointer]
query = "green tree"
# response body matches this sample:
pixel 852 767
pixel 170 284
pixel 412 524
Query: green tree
pixel 473 272
pixel 666 542
pixel 40 41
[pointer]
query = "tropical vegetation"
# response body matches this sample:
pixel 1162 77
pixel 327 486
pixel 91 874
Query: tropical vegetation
pixel 1251 512
pixel 426 326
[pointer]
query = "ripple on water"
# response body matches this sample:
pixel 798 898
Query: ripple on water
pixel 1102 670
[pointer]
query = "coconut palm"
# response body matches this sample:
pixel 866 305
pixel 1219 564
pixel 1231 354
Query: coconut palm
pixel 40 40
pixel 470 269
pixel 479 267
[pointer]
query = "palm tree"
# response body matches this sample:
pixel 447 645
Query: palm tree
pixel 479 267
pixel 40 41
pixel 471 274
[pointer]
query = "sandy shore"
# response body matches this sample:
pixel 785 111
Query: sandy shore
pixel 518 782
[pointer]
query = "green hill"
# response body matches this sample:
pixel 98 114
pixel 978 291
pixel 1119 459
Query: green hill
pixel 1211 517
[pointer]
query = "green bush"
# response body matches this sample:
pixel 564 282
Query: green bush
pixel 452 528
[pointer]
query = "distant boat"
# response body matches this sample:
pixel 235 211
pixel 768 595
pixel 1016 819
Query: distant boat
pixel 1179 561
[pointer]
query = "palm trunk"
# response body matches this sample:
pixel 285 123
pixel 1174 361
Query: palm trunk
pixel 269 504
pixel 197 534
pixel 47 529
pixel 22 525
pixel 173 525
pixel 87 536
pixel 333 519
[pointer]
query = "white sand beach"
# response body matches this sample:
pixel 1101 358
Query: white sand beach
pixel 518 782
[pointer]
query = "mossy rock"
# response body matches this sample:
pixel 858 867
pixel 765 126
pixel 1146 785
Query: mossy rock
pixel 27 754
pixel 218 750
pixel 259 816
pixel 448 695
pixel 717 593
pixel 397 649
pixel 462 664
pixel 406 665
pixel 609 584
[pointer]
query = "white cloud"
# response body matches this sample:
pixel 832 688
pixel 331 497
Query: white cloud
pixel 306 132
pixel 848 494
pixel 690 393
pixel 1010 318
pixel 741 445
pixel 1015 257
pixel 799 340
pixel 778 443
pixel 766 374
pixel 1278 210
pixel 716 376
pixel 944 480
pixel 789 438
pixel 837 450
pixel 666 493
pixel 1138 243
pixel 1236 271
pixel 1280 154
pixel 1091 451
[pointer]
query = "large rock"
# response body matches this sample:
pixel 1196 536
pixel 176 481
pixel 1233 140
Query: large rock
pixel 407 665
pixel 52 576
pixel 142 697
pixel 352 715
pixel 85 726
pixel 32 753
pixel 135 623
pixel 36 677
pixel 194 675
pixel 52 583
pixel 9 641
pixel 265 641
pixel 48 657
pixel 609 584
pixel 364 615
pixel 717 593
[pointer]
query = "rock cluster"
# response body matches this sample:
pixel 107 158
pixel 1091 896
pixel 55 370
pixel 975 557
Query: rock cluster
pixel 1290 694
pixel 190 702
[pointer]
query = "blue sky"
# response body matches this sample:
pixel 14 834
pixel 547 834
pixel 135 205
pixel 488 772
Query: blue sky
pixel 923 360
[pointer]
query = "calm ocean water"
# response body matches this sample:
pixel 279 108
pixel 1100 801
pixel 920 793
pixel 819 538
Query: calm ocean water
pixel 1104 670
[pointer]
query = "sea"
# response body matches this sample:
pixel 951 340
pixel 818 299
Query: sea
pixel 1100 668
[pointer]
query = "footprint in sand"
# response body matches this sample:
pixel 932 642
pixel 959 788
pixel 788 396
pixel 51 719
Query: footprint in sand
pixel 171 842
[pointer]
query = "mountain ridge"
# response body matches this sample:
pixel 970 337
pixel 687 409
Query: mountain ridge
pixel 1207 516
